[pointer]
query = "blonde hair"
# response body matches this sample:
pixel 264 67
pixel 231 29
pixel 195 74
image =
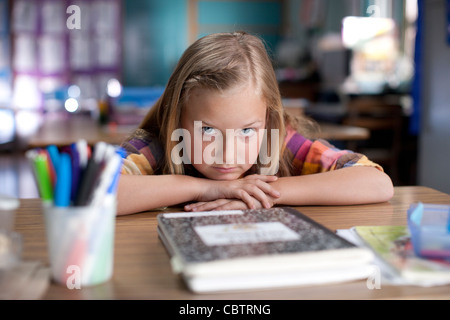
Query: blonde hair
pixel 219 62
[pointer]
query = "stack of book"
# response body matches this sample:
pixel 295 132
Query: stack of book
pixel 258 249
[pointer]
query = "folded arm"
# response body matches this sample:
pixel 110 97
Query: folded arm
pixel 145 192
pixel 346 186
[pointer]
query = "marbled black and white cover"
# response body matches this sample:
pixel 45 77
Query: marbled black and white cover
pixel 211 236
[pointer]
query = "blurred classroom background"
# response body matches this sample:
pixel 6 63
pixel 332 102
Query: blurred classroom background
pixel 373 73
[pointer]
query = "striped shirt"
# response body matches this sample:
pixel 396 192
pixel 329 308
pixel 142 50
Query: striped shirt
pixel 145 155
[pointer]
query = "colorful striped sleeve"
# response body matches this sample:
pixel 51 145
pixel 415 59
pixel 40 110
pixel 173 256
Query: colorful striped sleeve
pixel 144 154
pixel 318 156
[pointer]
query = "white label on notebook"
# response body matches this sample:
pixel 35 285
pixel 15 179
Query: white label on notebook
pixel 227 234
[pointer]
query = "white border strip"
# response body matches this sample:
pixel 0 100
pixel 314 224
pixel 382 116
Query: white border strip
pixel 201 214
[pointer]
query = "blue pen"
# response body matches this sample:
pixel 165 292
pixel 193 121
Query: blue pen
pixel 63 181
pixel 113 187
pixel 53 161
pixel 448 220
pixel 54 155
pixel 112 164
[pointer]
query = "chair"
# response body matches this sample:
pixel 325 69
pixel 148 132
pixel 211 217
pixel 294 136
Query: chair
pixel 384 119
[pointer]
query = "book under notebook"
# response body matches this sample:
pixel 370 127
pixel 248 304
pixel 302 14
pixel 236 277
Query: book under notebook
pixel 253 249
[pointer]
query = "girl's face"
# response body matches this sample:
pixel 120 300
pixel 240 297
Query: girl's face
pixel 225 130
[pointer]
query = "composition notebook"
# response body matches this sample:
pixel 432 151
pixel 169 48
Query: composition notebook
pixel 257 249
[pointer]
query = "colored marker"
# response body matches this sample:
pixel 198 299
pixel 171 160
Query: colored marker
pixel 82 149
pixel 76 171
pixel 53 160
pixel 64 181
pixel 107 176
pixel 53 152
pixel 113 187
pixel 91 174
pixel 448 220
pixel 43 177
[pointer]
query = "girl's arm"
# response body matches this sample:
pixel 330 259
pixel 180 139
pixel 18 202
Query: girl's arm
pixel 139 193
pixel 346 186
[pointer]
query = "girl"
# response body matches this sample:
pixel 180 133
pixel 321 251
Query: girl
pixel 218 138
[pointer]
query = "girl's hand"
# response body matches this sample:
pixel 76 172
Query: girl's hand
pixel 250 190
pixel 222 204
pixel 219 204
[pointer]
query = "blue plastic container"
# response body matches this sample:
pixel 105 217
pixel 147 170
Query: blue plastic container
pixel 429 225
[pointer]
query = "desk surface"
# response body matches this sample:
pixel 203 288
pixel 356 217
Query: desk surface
pixel 142 269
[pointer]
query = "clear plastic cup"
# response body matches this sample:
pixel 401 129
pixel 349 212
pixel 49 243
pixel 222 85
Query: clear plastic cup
pixel 81 244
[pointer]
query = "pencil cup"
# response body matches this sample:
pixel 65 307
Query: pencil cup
pixel 81 244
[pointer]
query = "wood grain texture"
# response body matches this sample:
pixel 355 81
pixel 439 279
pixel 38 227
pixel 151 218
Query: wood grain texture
pixel 142 268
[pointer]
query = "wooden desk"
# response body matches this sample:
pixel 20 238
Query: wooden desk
pixel 142 269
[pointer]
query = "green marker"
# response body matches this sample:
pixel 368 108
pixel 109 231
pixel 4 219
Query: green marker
pixel 43 178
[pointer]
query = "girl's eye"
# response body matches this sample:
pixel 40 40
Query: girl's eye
pixel 247 132
pixel 208 130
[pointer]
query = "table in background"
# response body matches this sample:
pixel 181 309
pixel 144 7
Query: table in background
pixel 64 132
pixel 142 268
